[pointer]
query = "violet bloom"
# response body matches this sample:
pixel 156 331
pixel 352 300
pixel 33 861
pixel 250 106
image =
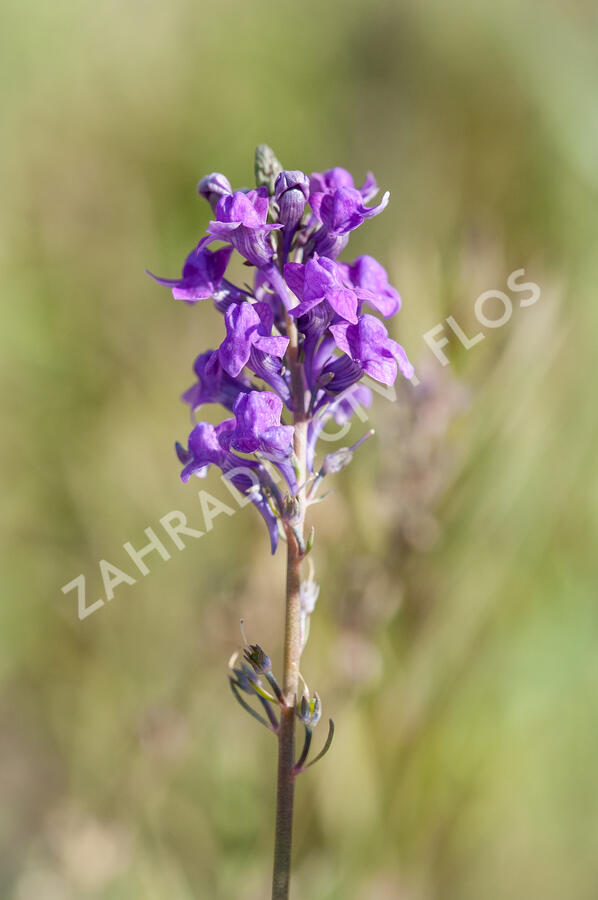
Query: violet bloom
pixel 204 449
pixel 248 325
pixel 258 426
pixel 369 345
pixel 202 274
pixel 317 281
pixel 241 221
pixel 296 337
pixel 368 276
pixel 214 384
pixel 344 210
pixel 329 181
pixel 210 445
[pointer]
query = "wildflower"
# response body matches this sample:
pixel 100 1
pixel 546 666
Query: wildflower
pixel 210 445
pixel 317 281
pixel 202 274
pixel 340 208
pixel 214 384
pixel 344 210
pixel 241 220
pixel 368 344
pixel 258 427
pixel 248 326
pixel 329 181
pixel 291 229
pixel 299 330
pixel 368 277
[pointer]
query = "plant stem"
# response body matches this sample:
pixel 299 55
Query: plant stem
pixel 292 644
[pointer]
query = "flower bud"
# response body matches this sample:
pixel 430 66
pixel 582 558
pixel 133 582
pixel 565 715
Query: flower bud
pixel 291 192
pixel 267 167
pixel 213 187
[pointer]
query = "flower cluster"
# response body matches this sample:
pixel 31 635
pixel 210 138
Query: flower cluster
pixel 300 339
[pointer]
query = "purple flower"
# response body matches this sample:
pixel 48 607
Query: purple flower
pixel 258 426
pixel 368 276
pixel 248 325
pixel 213 187
pixel 296 336
pixel 214 384
pixel 209 445
pixel 329 181
pixel 205 449
pixel 340 208
pixel 318 280
pixel 241 221
pixel 368 344
pixel 344 210
pixel 202 274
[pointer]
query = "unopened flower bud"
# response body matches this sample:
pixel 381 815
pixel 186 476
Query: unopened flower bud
pixel 214 186
pixel 291 192
pixel 267 167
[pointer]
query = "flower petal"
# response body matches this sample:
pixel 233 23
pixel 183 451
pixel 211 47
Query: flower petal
pixel 343 302
pixel 294 275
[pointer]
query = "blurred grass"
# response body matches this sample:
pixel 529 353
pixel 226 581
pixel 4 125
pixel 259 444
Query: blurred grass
pixel 454 643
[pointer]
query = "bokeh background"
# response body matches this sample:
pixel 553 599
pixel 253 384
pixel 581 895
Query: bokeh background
pixel 455 639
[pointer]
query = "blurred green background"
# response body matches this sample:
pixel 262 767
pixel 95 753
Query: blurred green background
pixel 455 638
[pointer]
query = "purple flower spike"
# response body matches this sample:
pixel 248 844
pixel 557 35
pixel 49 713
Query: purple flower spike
pixel 369 277
pixel 248 325
pixel 241 221
pixel 214 384
pixel 368 344
pixel 318 280
pixel 258 427
pixel 213 187
pixel 296 336
pixel 202 274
